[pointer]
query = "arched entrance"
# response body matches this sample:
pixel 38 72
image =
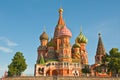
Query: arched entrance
pixel 48 73
pixel 54 73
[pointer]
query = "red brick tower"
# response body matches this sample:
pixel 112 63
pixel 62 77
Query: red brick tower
pixel 100 51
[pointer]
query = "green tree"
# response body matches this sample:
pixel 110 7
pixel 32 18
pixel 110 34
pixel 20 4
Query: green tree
pixel 113 61
pixel 86 70
pixel 102 68
pixel 18 65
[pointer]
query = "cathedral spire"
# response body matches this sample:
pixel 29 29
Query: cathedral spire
pixel 60 24
pixel 100 51
pixel 100 47
pixel 61 21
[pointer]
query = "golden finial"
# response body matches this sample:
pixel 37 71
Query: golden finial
pixel 60 10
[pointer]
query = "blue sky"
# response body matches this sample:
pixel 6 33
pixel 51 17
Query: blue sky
pixel 23 21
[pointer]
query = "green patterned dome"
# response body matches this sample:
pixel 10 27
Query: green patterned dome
pixel 81 38
pixel 76 45
pixel 44 36
pixel 51 43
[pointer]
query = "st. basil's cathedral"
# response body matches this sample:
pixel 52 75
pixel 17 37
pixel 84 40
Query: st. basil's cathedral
pixel 58 57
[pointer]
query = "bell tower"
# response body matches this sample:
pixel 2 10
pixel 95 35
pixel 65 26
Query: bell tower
pixel 100 51
pixel 42 49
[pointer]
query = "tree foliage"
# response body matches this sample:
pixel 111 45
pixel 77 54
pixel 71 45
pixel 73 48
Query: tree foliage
pixel 86 69
pixel 102 68
pixel 113 61
pixel 18 65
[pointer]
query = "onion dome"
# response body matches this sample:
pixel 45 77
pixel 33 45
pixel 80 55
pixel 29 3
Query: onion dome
pixel 65 32
pixel 44 36
pixel 81 38
pixel 76 45
pixel 51 43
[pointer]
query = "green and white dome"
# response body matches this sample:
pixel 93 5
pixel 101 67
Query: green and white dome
pixel 81 38
pixel 76 45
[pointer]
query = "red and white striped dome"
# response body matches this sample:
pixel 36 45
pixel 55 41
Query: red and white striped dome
pixel 65 32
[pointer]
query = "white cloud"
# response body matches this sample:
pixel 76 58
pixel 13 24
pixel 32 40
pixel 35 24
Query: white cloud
pixel 4 49
pixel 8 42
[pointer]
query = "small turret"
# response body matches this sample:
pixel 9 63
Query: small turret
pixel 44 38
pixel 82 41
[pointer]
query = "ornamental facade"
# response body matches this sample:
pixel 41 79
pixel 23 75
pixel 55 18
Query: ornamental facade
pixel 57 57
